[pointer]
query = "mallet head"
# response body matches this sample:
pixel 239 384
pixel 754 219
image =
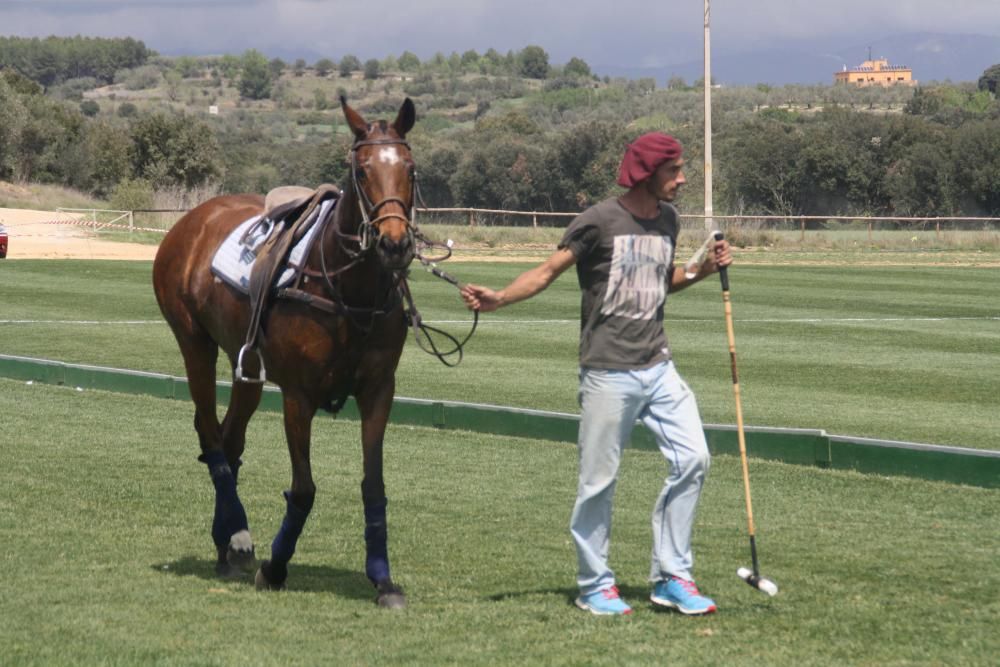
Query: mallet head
pixel 758 582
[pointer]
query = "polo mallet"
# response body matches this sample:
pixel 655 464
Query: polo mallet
pixel 751 577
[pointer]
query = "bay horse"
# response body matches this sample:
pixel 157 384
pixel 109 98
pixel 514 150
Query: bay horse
pixel 316 355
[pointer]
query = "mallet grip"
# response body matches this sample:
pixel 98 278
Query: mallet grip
pixel 723 273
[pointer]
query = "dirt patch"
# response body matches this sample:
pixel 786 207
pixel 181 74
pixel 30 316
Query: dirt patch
pixel 51 235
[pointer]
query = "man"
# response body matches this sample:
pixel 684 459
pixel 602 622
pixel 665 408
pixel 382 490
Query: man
pixel 623 249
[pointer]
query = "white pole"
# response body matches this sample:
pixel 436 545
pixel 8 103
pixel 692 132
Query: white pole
pixel 709 224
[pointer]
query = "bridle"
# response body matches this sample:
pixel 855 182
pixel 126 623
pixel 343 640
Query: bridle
pixel 368 230
pixel 399 290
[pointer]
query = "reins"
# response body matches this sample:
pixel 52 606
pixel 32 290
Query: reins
pixel 416 321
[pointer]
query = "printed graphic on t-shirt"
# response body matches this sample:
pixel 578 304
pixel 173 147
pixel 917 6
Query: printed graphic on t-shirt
pixel 637 283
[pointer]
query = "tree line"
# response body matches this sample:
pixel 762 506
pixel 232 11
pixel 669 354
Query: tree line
pixel 848 163
pixel 57 59
pixel 502 140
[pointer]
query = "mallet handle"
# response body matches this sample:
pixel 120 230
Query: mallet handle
pixel 731 335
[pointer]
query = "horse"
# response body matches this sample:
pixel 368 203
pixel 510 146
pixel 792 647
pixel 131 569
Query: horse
pixel 343 335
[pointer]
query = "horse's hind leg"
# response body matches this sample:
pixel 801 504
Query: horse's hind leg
pixel 243 403
pixel 230 530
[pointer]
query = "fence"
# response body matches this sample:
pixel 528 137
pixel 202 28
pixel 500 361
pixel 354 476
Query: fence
pixel 474 217
pixel 870 223
pixel 93 219
pixel 160 220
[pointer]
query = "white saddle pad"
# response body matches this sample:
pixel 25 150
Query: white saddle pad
pixel 233 260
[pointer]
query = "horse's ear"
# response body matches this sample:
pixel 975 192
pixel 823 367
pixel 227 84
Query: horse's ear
pixel 354 119
pixel 405 119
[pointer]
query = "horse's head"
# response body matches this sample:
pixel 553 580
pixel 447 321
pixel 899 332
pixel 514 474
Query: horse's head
pixel 383 180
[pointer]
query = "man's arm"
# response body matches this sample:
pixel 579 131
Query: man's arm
pixel 719 257
pixel 525 286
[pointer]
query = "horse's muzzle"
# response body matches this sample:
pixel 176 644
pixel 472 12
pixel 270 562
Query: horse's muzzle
pixel 395 254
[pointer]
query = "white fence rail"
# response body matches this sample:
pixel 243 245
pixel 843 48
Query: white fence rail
pixel 474 217
pixel 116 216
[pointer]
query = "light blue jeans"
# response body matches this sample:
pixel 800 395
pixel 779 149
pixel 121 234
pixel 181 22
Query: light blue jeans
pixel 611 401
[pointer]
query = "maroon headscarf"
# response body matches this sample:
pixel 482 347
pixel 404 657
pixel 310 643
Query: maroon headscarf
pixel 644 155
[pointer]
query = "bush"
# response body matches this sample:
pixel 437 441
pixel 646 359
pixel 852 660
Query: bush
pixel 140 78
pixel 132 195
pixel 127 110
pixel 90 108
pixel 73 89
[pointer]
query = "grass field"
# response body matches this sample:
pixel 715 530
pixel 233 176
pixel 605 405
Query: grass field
pixel 105 518
pixel 900 352
pixel 105 511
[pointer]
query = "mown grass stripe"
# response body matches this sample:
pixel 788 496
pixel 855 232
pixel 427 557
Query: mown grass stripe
pixel 788 445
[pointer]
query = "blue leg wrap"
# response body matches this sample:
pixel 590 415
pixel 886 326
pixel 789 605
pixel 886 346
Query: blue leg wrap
pixel 230 517
pixel 376 542
pixel 283 546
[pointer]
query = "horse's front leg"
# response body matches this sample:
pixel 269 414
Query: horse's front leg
pixel 374 407
pixel 299 412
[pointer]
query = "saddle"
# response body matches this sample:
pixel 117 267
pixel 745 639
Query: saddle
pixel 288 210
pixel 284 195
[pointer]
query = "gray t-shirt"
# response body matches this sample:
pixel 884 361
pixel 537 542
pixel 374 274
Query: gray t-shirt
pixel 623 264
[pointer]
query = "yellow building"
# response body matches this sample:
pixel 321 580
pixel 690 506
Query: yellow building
pixel 876 73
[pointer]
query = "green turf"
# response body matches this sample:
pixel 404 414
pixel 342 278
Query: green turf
pixel 892 352
pixel 105 519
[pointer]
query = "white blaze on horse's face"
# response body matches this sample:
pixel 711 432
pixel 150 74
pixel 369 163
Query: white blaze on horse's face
pixel 388 155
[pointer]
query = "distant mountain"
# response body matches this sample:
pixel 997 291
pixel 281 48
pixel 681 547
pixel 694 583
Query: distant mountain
pixel 933 57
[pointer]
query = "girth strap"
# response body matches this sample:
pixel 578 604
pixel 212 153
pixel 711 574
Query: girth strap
pixel 339 307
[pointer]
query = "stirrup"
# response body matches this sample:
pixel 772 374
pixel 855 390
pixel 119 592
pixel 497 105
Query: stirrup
pixel 238 375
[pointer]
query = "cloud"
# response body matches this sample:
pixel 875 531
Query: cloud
pixel 98 6
pixel 624 32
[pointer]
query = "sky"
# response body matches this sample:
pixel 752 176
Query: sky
pixel 621 33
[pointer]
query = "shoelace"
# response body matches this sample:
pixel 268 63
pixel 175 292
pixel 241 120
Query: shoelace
pixel 611 593
pixel 689 586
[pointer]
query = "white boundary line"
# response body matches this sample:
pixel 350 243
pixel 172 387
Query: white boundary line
pixel 804 320
pixel 672 322
pixel 82 322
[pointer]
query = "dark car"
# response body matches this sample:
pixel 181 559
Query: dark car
pixel 3 241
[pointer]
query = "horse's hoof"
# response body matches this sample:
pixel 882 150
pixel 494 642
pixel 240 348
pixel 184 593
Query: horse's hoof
pixel 262 583
pixel 390 596
pixel 240 555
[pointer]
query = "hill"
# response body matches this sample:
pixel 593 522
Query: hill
pixel 494 133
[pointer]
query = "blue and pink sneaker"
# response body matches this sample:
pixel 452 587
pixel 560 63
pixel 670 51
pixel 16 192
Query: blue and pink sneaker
pixel 605 602
pixel 682 595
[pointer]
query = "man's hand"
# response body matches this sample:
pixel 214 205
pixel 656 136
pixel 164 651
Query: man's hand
pixel 721 255
pixel 480 298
